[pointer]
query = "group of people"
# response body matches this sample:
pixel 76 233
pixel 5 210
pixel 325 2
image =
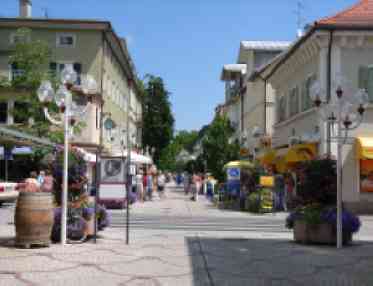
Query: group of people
pixel 39 182
pixel 146 184
pixel 193 184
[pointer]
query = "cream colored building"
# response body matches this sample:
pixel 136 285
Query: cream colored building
pixel 94 49
pixel 249 99
pixel 333 47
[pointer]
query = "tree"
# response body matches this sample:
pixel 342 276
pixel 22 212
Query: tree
pixel 217 149
pixel 183 140
pixel 158 119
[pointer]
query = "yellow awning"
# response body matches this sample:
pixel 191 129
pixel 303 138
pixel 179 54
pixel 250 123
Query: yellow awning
pixel 239 164
pixel 365 147
pixel 268 158
pixel 301 152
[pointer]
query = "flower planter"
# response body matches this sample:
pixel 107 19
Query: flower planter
pixel 33 219
pixel 318 234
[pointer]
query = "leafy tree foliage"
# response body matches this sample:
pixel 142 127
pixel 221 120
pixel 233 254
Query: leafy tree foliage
pixel 158 119
pixel 183 140
pixel 217 148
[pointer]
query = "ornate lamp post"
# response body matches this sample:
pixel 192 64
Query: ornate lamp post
pixel 69 112
pixel 346 110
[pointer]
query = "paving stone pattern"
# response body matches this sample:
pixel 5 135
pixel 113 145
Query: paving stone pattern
pixel 175 241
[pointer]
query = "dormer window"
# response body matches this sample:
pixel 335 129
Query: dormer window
pixel 66 40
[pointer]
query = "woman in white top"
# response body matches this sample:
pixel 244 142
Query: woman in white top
pixel 140 186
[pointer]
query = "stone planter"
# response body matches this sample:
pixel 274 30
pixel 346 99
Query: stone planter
pixel 318 234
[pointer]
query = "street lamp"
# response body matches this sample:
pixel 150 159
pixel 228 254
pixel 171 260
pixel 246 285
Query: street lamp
pixel 69 111
pixel 346 110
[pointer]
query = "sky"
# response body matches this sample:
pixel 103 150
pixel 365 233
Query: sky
pixel 187 42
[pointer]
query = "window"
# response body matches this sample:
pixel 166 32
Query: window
pixel 306 92
pixel 21 112
pixel 57 68
pixel 3 112
pixel 15 71
pixel 294 101
pixel 281 111
pixel 97 118
pixel 366 80
pixel 16 38
pixel 66 40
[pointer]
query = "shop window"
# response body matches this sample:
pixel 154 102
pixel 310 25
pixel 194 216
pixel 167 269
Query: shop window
pixel 21 112
pixel 3 112
pixel 366 80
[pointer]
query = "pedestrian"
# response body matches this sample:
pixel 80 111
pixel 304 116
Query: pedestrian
pixel 40 178
pixel 31 183
pixel 140 186
pixel 47 185
pixel 161 182
pixel 186 183
pixel 149 186
pixel 197 183
pixel 279 191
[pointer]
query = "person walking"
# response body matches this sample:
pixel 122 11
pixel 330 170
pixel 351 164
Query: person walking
pixel 197 183
pixel 140 186
pixel 149 186
pixel 41 177
pixel 47 185
pixel 161 183
pixel 186 183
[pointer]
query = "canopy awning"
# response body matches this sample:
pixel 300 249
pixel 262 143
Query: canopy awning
pixel 365 148
pixel 268 157
pixel 17 138
pixel 239 164
pixel 301 152
pixel 135 157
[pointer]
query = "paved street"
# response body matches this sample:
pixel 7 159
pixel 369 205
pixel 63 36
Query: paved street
pixel 179 242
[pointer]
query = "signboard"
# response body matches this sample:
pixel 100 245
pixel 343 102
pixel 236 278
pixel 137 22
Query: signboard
pixel 233 174
pixel 267 181
pixel 113 170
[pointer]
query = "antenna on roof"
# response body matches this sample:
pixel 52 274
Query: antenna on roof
pixel 45 12
pixel 300 19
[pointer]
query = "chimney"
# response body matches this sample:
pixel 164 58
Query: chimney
pixel 25 8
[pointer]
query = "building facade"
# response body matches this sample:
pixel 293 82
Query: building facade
pixel 333 48
pixel 249 100
pixel 94 49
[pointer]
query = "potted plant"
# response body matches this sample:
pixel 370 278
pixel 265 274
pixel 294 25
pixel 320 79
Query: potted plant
pixel 314 218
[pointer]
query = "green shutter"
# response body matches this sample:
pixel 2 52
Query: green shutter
pixel 369 84
pixel 363 77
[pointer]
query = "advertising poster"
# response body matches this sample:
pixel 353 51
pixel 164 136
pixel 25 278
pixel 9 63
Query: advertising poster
pixel 233 182
pixel 113 170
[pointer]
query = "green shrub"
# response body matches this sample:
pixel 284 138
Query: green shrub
pixel 253 202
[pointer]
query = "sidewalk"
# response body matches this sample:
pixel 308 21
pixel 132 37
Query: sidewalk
pixel 179 242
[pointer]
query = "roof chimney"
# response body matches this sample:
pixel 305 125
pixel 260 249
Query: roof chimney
pixel 25 8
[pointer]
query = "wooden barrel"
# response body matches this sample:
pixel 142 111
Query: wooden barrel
pixel 34 219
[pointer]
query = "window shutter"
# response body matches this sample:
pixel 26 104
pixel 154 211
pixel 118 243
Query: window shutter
pixel 369 84
pixel 363 77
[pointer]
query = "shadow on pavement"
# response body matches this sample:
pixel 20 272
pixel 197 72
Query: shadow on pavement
pixel 270 262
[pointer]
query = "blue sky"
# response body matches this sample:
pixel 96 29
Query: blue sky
pixel 187 42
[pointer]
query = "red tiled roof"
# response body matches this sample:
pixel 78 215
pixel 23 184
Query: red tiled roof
pixel 359 14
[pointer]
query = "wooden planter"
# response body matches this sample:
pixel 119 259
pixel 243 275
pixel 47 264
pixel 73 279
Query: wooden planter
pixel 34 219
pixel 318 234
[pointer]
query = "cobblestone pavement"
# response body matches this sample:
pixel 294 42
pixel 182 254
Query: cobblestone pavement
pixel 175 241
